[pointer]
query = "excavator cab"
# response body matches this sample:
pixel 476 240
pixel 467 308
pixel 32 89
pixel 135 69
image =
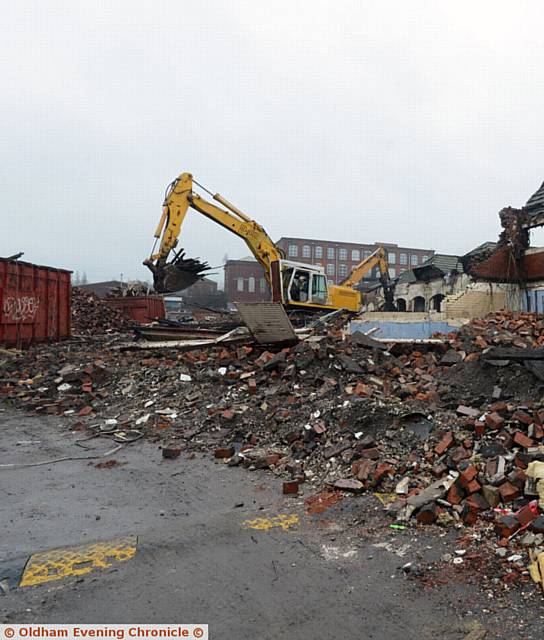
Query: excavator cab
pixel 304 285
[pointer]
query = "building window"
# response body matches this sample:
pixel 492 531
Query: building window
pixel 392 258
pixel 342 254
pixel 293 250
pixel 251 284
pixel 239 284
pixel 425 258
pixel 342 270
pixel 262 285
pixel 413 260
pixel 355 255
pixel 330 269
pixel 368 254
pixel 392 273
pixel 330 253
pixel 306 251
pixel 319 252
pixel 403 258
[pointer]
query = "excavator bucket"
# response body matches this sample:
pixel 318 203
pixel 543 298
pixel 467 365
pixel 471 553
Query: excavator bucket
pixel 177 275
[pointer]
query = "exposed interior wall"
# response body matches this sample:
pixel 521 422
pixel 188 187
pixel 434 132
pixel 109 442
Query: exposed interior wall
pixel 410 294
pixel 474 304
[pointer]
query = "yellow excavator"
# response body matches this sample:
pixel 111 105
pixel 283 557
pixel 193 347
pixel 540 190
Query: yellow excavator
pixel 295 284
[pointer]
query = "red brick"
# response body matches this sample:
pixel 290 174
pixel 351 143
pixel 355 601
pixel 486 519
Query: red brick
pixel 85 411
pixel 522 440
pixel 473 486
pixel 363 390
pixel 469 514
pixel 506 526
pixel 458 454
pixel 517 477
pixel 498 406
pixel 252 386
pixel 224 452
pixel 455 494
pixel 467 475
pixel 508 491
pixel 521 416
pixel 270 460
pixel 290 487
pixel 494 420
pixel 382 470
pixel 171 451
pixel 444 444
pixel 479 428
pixel 477 501
pixel 228 415
pixel 439 469
pixel 362 469
pixel 526 515
pixel 370 454
pixel 427 514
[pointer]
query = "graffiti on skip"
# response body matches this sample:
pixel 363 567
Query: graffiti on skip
pixel 20 308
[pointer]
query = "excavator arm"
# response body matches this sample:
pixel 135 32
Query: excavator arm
pixel 181 273
pixel 378 258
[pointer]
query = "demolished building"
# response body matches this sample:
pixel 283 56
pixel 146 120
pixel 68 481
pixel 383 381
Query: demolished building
pixel 507 274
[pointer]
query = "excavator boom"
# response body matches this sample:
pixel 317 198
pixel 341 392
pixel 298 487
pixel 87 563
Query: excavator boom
pixel 180 273
pixel 378 258
pixel 296 285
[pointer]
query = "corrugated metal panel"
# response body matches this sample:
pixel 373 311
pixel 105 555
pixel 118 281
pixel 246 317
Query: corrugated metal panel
pixel 267 321
pixel 535 204
pixel 35 303
pixel 140 308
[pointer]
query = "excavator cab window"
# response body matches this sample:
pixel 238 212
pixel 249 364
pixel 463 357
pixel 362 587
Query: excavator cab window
pixel 319 289
pixel 286 281
pixel 297 284
pixel 299 290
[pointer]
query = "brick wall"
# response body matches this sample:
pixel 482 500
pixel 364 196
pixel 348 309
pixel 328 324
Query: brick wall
pixel 245 282
pixel 501 266
pixel 339 258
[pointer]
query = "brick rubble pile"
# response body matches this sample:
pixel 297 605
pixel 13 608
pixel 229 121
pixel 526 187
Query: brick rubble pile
pixel 91 315
pixel 443 436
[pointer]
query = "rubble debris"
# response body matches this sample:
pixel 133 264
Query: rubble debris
pixel 91 315
pixel 435 441
pixel 171 451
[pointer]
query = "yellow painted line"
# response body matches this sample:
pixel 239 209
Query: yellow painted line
pixel 65 562
pixel 283 521
pixel 386 498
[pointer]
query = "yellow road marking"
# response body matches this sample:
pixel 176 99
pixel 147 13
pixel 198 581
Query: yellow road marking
pixel 386 498
pixel 283 520
pixel 56 564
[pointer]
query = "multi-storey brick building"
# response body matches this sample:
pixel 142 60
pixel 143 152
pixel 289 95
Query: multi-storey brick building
pixel 339 258
pixel 245 282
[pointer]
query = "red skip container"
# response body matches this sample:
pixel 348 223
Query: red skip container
pixel 141 309
pixel 34 303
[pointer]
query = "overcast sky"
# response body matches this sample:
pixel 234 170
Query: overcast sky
pixel 407 122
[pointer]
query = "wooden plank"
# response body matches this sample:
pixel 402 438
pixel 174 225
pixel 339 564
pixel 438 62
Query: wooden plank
pixel 267 322
pixel 514 354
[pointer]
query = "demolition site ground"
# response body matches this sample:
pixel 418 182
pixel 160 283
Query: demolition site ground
pixel 337 485
pixel 334 571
